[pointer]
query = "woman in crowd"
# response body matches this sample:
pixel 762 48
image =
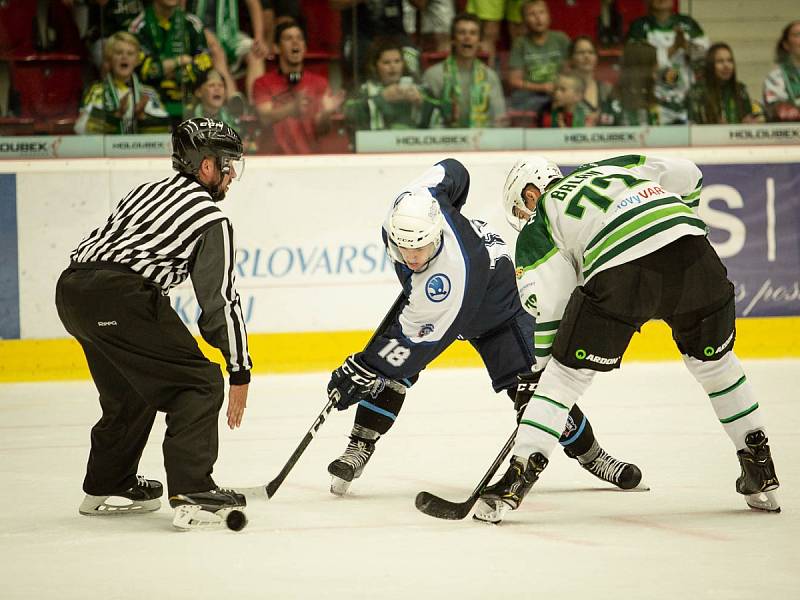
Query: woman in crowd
pixel 582 57
pixel 782 85
pixel 389 99
pixel 633 101
pixel 120 103
pixel 720 97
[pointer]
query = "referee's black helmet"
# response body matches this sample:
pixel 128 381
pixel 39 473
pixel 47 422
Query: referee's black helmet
pixel 195 139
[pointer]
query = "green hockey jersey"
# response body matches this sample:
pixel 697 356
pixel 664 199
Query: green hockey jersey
pixel 603 214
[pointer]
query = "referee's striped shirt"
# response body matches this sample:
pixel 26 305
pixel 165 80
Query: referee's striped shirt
pixel 161 230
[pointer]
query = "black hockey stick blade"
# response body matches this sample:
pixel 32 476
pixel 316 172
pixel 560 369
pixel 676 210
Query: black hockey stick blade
pixel 434 506
pixel 444 509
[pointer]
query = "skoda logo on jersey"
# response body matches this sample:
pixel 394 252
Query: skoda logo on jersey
pixel 426 329
pixel 437 288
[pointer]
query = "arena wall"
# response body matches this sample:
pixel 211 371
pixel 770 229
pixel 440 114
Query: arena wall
pixel 311 269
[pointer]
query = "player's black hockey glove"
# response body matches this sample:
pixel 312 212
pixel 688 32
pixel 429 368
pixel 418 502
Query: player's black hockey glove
pixel 353 382
pixel 526 386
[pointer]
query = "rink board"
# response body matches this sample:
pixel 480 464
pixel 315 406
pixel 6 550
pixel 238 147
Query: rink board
pixel 43 360
pixel 311 270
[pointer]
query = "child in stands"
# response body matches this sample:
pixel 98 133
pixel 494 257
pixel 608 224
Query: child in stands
pixel 120 103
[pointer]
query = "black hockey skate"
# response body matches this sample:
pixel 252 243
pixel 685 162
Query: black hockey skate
pixel 758 481
pixel 351 464
pixel 140 498
pixel 511 489
pixel 602 465
pixel 204 509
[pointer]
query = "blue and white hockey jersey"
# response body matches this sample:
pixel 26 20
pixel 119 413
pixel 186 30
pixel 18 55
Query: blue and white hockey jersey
pixel 467 291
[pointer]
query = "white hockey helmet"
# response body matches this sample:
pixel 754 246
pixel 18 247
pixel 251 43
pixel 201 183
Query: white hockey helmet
pixel 415 221
pixel 534 169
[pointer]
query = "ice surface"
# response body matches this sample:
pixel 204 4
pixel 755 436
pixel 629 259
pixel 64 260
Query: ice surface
pixel 692 536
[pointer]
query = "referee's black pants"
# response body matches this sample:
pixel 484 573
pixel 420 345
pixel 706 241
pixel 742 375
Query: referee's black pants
pixel 142 359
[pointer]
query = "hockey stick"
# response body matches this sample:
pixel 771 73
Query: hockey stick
pixel 440 508
pixel 270 488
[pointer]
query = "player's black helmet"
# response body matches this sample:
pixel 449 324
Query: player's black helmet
pixel 194 139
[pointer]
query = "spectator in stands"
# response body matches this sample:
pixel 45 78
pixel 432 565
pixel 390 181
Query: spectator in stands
pixel 536 59
pixel 633 101
pixel 389 99
pixel 120 103
pixel 491 13
pixel 435 20
pixel 275 12
pixel 107 17
pixel 720 97
pixel 582 55
pixel 174 50
pixel 231 49
pixel 464 92
pixel 372 19
pixel 568 108
pixel 294 105
pixel 680 41
pixel 210 99
pixel 782 85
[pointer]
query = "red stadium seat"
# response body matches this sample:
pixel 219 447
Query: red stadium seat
pixel 49 85
pixel 523 118
pixel 16 126
pixel 55 126
pixel 323 27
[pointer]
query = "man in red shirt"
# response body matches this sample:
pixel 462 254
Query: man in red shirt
pixel 294 105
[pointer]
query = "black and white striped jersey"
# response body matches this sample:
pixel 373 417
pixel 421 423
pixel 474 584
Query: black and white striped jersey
pixel 166 231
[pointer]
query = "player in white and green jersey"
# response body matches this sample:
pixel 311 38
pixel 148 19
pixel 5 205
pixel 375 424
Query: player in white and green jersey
pixel 602 251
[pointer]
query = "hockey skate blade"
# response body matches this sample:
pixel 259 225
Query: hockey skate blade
pixel 764 501
pixel 339 486
pixel 191 517
pixel 491 512
pixel 106 506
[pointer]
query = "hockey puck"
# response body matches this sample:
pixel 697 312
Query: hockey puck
pixel 236 520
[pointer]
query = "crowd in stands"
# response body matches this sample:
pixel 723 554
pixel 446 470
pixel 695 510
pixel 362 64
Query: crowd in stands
pixel 396 64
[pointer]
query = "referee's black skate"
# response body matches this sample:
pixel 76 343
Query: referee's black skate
pixel 140 498
pixel 758 480
pixel 351 464
pixel 602 465
pixel 203 509
pixel 511 489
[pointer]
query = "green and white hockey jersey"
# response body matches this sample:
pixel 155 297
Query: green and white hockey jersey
pixel 603 214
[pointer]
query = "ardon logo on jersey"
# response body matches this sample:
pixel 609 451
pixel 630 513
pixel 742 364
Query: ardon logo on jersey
pixel 426 329
pixel 437 288
pixel 581 354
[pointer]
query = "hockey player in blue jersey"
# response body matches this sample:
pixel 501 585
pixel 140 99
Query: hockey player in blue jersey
pixel 459 282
